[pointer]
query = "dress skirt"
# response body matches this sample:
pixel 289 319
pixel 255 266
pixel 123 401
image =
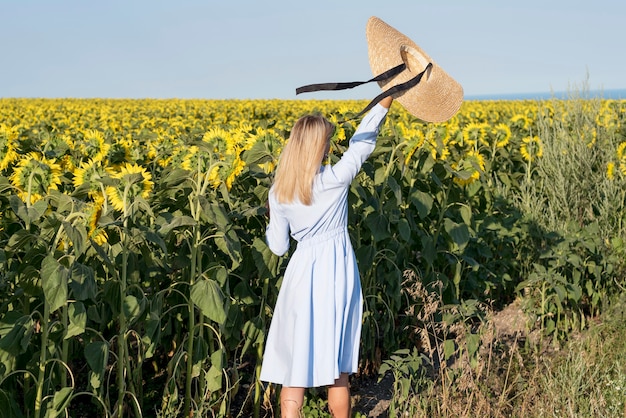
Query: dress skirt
pixel 316 327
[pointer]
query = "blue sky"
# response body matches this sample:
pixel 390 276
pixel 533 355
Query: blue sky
pixel 248 49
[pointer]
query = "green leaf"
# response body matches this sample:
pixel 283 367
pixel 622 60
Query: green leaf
pixel 266 262
pixel 258 154
pixel 54 277
pixel 458 232
pixel 16 330
pixel 378 223
pixel 253 333
pixel 473 343
pixel 214 379
pixel 229 243
pixel 20 239
pixel 78 237
pixel 429 251
pixel 60 402
pixel 78 319
pixel 215 214
pixel 214 375
pixel 449 348
pixel 97 356
pixel 133 308
pixel 28 214
pixel 83 282
pixel 207 295
pixel 423 202
pixel 176 222
pixel 404 229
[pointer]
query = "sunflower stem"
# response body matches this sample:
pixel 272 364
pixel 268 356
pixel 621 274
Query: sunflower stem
pixel 42 358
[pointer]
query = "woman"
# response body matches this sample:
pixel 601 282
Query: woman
pixel 314 336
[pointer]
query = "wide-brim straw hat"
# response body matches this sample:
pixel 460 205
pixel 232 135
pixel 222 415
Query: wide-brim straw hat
pixel 436 98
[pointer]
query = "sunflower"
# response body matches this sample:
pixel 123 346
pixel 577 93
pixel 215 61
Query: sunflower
pixel 520 121
pixel 502 135
pixel 475 133
pixel 437 139
pixel 219 139
pixel 93 146
pixel 133 181
pixel 34 176
pixel 94 212
pixel 610 170
pixel 120 152
pixel 236 169
pixel 621 156
pixel 162 150
pixel 531 148
pixel 89 177
pixel 607 118
pixel 8 139
pixel 416 143
pixel 589 135
pixel 472 165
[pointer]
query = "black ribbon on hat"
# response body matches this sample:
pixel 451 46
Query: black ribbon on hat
pixel 397 89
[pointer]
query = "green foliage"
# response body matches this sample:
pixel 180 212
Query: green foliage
pixel 180 291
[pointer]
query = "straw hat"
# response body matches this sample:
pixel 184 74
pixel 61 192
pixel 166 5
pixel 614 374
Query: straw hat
pixel 436 98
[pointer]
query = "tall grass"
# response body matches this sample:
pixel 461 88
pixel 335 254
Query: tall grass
pixel 572 201
pixel 513 375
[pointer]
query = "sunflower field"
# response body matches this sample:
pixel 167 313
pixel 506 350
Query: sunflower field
pixel 134 275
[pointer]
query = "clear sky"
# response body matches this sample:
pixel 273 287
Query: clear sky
pixel 248 49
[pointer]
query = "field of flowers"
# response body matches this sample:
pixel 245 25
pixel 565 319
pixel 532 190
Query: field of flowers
pixel 134 277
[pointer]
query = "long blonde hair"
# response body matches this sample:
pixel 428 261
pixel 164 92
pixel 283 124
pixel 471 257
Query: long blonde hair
pixel 302 158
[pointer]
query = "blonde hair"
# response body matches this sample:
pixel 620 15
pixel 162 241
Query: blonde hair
pixel 302 158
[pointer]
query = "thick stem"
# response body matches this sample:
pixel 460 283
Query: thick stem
pixel 191 323
pixel 121 336
pixel 42 358
pixel 65 345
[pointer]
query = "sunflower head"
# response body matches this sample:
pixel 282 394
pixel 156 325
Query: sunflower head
pixel 531 148
pixel 8 145
pixel 34 176
pixel 93 146
pixel 94 212
pixel 469 168
pixel 89 176
pixel 131 181
pixel 501 135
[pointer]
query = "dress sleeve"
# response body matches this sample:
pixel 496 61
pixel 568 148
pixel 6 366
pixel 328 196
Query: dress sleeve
pixel 277 231
pixel 361 145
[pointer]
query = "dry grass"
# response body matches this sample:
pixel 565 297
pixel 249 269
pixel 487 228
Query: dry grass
pixel 513 373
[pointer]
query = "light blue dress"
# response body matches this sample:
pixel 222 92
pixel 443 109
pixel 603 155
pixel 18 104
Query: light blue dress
pixel 316 327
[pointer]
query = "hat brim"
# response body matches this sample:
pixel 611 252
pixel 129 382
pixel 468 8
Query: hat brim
pixel 437 97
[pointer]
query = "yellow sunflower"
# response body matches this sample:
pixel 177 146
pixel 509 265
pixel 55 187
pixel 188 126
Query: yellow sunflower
pixel 8 140
pixel 520 121
pixel 236 169
pixel 621 156
pixel 93 145
pixel 474 133
pixel 531 148
pixel 471 166
pixel 94 212
pixel 610 170
pixel 416 143
pixel 120 152
pixel 501 134
pixel 133 181
pixel 34 176
pixel 89 177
